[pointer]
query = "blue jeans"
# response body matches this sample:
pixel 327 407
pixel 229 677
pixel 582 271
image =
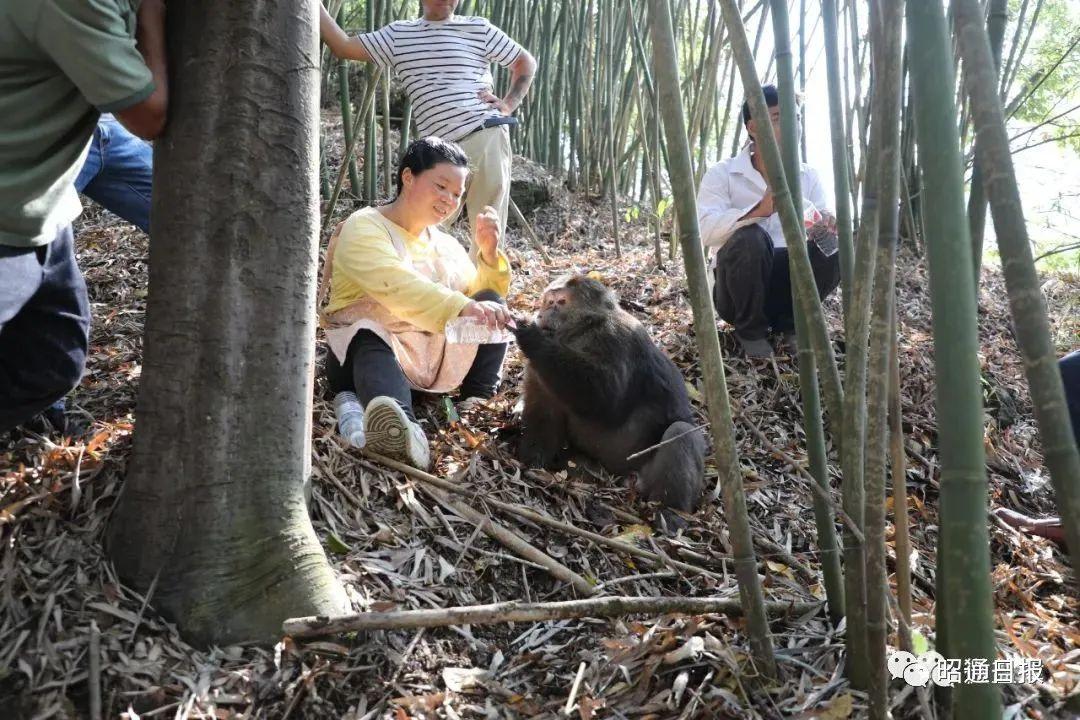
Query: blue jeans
pixel 1070 376
pixel 44 327
pixel 118 172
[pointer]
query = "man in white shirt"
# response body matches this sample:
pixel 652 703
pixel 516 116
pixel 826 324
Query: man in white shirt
pixel 444 62
pixel 745 243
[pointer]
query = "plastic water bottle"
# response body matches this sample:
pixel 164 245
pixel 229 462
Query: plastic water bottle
pixel 471 331
pixel 350 416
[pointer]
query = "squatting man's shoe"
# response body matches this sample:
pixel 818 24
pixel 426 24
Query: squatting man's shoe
pixel 756 348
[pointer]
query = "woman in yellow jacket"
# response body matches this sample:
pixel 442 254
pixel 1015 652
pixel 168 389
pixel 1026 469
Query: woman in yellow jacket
pixel 395 279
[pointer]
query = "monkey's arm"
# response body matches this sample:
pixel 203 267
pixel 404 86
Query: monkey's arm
pixel 592 385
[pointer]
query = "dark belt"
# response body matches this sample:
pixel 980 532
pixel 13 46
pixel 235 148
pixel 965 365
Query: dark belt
pixel 494 121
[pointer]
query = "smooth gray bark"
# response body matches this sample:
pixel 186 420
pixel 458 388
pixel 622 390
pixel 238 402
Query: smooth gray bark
pixel 213 505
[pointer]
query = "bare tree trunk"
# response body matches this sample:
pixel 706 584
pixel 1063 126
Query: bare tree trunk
pixel 213 505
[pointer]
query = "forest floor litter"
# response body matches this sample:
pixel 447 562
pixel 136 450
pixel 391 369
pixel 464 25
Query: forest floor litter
pixel 399 543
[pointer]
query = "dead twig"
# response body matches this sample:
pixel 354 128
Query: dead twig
pixel 662 443
pixel 515 611
pixel 529 514
pixel 568 708
pixel 516 212
pixel 514 542
pixel 94 679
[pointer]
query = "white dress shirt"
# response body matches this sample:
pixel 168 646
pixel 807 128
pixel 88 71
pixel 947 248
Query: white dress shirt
pixel 732 188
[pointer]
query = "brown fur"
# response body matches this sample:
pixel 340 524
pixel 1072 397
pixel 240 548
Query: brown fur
pixel 596 383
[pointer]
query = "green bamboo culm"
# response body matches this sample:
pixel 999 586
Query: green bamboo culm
pixel 964 610
pixel 804 288
pixel 346 112
pixel 852 450
pixel 371 150
pixel 808 383
pixel 841 170
pixel 887 20
pixel 1021 280
pixel 405 132
pixel 897 461
pixel 682 180
pixel 364 111
pixel 996 19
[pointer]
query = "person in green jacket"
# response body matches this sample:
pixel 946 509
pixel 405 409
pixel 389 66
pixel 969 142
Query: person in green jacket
pixel 62 64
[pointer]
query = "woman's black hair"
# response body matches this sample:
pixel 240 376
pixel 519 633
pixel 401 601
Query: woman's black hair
pixel 425 153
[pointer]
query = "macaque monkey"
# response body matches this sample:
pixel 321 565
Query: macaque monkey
pixel 595 383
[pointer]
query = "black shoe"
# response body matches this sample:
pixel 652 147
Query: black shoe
pixel 52 420
pixel 756 349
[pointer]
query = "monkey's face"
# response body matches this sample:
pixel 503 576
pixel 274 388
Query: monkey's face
pixel 555 305
pixel 570 298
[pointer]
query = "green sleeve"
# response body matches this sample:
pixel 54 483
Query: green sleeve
pixel 93 43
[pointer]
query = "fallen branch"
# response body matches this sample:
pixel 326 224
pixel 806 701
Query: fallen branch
pixel 516 212
pixel 515 542
pixel 778 551
pixel 529 514
pixel 514 611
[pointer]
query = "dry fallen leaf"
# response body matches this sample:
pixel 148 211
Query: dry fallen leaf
pixel 463 679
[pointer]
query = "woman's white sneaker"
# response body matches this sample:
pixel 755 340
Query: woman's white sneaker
pixel 390 432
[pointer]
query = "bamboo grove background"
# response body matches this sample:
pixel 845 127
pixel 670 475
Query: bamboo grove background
pixel 590 115
pixel 634 101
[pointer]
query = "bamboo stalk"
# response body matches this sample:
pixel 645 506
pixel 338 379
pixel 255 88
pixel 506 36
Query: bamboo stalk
pixel 996 20
pixel 1021 280
pixel 898 464
pixel 841 169
pixel 964 601
pixel 1019 56
pixel 387 148
pixel 346 113
pixel 852 450
pixel 802 76
pixel 681 177
pixel 370 148
pixel 886 48
pixel 516 611
pixel 362 114
pixel 1014 45
pixel 802 276
pixel 324 170
pixel 405 131
pixel 609 37
pixel 808 383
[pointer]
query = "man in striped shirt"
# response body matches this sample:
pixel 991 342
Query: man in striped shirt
pixel 444 61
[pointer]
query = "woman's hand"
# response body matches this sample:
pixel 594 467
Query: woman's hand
pixel 493 314
pixel 487 235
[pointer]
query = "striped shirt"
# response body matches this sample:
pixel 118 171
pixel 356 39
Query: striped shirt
pixel 444 65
